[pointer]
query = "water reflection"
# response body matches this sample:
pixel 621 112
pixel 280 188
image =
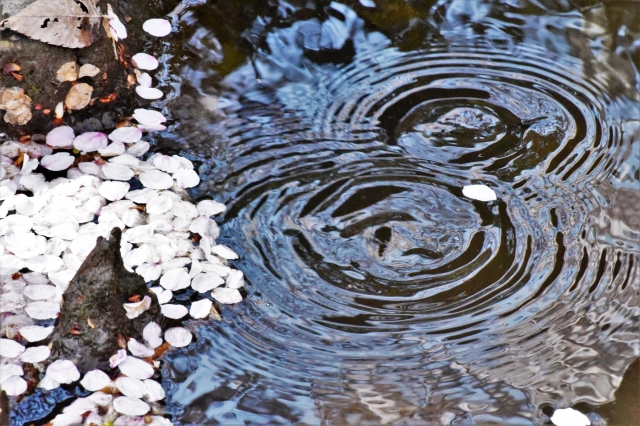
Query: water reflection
pixel 378 292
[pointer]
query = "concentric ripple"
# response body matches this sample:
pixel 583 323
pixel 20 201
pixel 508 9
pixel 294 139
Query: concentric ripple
pixel 378 292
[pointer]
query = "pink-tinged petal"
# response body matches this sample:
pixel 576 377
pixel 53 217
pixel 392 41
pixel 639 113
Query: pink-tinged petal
pixel 61 137
pixel 174 311
pixel 178 337
pixel 175 279
pixel 165 163
pixel 155 179
pixel 118 358
pixel 63 371
pixel 157 27
pixel 152 127
pixel 186 178
pixel 126 135
pixel 95 380
pixel 144 80
pixel 149 92
pixel 117 171
pixel 152 334
pixel 139 349
pixel 148 116
pixel 134 310
pixel 145 61
pixel 136 368
pixel 113 191
pixel 118 29
pixel 35 354
pixel 130 406
pixel 14 385
pixel 113 149
pixel 90 141
pixel 226 295
pixel 58 161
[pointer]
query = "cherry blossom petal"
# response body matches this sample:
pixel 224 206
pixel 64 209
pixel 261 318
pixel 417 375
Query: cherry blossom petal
pixel 151 334
pixel 117 358
pixel 175 279
pixel 118 29
pixel 569 417
pixel 210 207
pixel 113 191
pixel 226 295
pixel 131 387
pixel 100 398
pixel 14 385
pixel 47 383
pixel 95 380
pixel 155 179
pixel 178 337
pixel 206 281
pixel 174 311
pixel 90 168
pixel 113 149
pixel 35 333
pixel 201 308
pixel 149 92
pixel 80 406
pixel 8 370
pixel 138 234
pixel 186 178
pixel 62 278
pixel 139 148
pixel 159 421
pixel 130 406
pixel 42 310
pixel 63 371
pixel 35 354
pixel 117 171
pixel 144 80
pixel 88 70
pixel 126 135
pixel 184 162
pixel 58 161
pixel 139 349
pixel 136 368
pixel 61 137
pixel 235 279
pixel 224 252
pixel 479 192
pixel 159 205
pixel 10 348
pixel 149 272
pixel 152 127
pixel 154 390
pixel 90 141
pixel 134 310
pixel 10 264
pixel 163 295
pixel 44 263
pixel 165 163
pixel 148 116
pixel 40 291
pixel 83 245
pixel 145 61
pixel 157 27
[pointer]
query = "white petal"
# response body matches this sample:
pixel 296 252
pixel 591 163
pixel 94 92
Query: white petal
pixel 136 309
pixel 113 149
pixel 62 278
pixel 90 168
pixel 138 148
pixel 113 191
pixel 151 334
pixel 224 252
pixel 136 368
pixel 201 308
pixel 569 417
pixel 145 61
pixel 154 390
pixel 117 171
pixel 226 295
pixel 149 272
pixel 131 387
pixel 35 333
pixel 130 406
pixel 95 380
pixel 42 310
pixel 117 27
pixel 10 264
pixel 148 116
pixel 184 163
pixel 165 163
pixel 206 281
pixel 159 205
pixel 35 354
pixel 174 311
pixel 159 421
pixel 163 295
pixel 125 159
pixel 58 161
pixel 61 137
pixel 157 27
pixel 479 192
pixel 139 349
pixel 152 127
pixel 155 179
pixel 139 234
pixel 47 383
pixel 14 385
pixel 235 279
pixel 8 370
pixel 90 141
pixel 117 358
pixel 186 178
pixel 142 196
pixel 40 291
pixel 83 245
pixel 144 79
pixel 101 398
pixel 63 371
pixel 126 135
pixel 80 406
pixel 178 337
pixel 44 263
pixel 210 207
pixel 10 348
pixel 149 92
pixel 175 279
pixel 367 3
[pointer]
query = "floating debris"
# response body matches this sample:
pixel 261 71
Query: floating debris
pixel 479 193
pixel 157 27
pixel 569 417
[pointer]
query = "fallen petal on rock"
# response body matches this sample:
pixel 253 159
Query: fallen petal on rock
pixel 130 406
pixel 144 80
pixel 139 349
pixel 88 70
pixel 226 295
pixel 117 358
pixel 118 29
pixel 35 354
pixel 79 96
pixel 63 371
pixel 149 92
pixel 157 27
pixel 95 380
pixel 178 337
pixel 90 141
pixel 479 193
pixel 58 161
pixel 67 72
pixel 35 333
pixel 136 368
pixel 152 334
pixel 144 61
pixel 134 310
pixel 61 137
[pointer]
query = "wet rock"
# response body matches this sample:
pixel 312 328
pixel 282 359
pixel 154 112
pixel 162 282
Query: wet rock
pixel 93 315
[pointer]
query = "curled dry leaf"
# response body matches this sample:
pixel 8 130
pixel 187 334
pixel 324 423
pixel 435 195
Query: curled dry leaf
pixel 68 72
pixel 88 70
pixel 79 96
pixel 68 23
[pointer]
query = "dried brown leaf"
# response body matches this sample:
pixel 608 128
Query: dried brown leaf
pixel 68 72
pixel 68 23
pixel 79 96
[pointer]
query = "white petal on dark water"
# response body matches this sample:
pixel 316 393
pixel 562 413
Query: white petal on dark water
pixel 178 337
pixel 90 141
pixel 569 417
pixel 126 134
pixel 201 308
pixel 148 116
pixel 145 61
pixel 35 333
pixel 152 334
pixel 174 311
pixel 235 279
pixel 136 368
pixel 224 252
pixel 210 207
pixel 131 387
pixel 226 295
pixel 186 178
pixel 479 193
pixel 155 179
pixel 61 137
pixel 138 148
pixel 139 349
pixel 63 371
pixel 175 279
pixel 35 354
pixel 10 348
pixel 154 390
pixel 14 385
pixel 157 27
pixel 204 282
pixel 149 92
pixel 113 149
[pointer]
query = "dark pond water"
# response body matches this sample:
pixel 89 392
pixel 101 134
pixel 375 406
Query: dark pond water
pixel 340 137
